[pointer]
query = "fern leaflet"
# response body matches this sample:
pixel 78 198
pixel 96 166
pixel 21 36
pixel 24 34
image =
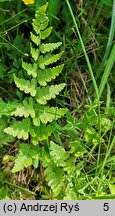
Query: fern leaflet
pixel 48 74
pixel 19 129
pixel 34 52
pixel 48 59
pixel 41 133
pixel 46 93
pixel 49 47
pixel 25 158
pixel 25 109
pixel 26 85
pixel 53 174
pixel 31 69
pixel 48 114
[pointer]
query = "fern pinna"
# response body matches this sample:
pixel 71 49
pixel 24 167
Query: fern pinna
pixel 35 118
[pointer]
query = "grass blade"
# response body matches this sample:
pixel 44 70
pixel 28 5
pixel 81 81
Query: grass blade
pixel 107 71
pixel 84 50
pixel 109 43
pixel 111 33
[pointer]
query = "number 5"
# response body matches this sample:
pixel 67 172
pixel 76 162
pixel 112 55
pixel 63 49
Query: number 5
pixel 106 207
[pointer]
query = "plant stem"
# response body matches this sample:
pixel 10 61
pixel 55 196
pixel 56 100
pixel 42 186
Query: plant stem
pixel 107 71
pixel 13 185
pixel 19 7
pixel 109 43
pixel 107 154
pixel 83 47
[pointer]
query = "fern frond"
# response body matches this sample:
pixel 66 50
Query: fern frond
pixel 25 85
pixel 48 59
pixel 49 47
pixel 30 68
pixel 37 119
pixel 19 129
pixel 48 74
pixel 46 93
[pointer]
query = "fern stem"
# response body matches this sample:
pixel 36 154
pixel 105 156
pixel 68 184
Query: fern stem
pixel 84 50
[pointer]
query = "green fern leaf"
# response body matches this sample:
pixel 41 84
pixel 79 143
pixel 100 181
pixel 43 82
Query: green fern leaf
pixel 36 124
pixel 41 21
pixel 34 53
pixel 7 108
pixel 41 133
pixel 25 158
pixel 35 39
pixel 54 175
pixel 4 138
pixel 48 114
pixel 46 93
pixel 42 9
pixel 36 28
pixel 58 154
pixel 70 195
pixel 52 113
pixel 30 68
pixel 19 129
pixel 36 121
pixel 55 178
pixel 20 111
pixel 49 47
pixel 77 148
pixel 44 34
pixel 62 158
pixel 48 74
pixel 24 109
pixel 25 85
pixel 48 59
pixel 41 18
